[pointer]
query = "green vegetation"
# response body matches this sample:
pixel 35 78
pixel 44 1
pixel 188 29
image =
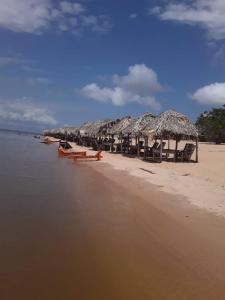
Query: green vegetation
pixel 211 125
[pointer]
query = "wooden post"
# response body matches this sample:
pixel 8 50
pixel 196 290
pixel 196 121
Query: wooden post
pixel 138 147
pixel 111 147
pixel 161 148
pixel 196 151
pixel 146 146
pixel 120 142
pixel 167 154
pixel 175 155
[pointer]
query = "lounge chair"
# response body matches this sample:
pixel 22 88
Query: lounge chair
pixel 97 156
pixel 149 151
pixel 156 152
pixel 95 145
pixel 186 153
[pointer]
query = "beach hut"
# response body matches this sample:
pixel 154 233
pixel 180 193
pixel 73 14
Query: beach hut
pixel 96 131
pixel 171 125
pixel 135 129
pixel 99 128
pixel 56 132
pixel 117 131
pixel 84 128
pixel 71 133
pixel 82 137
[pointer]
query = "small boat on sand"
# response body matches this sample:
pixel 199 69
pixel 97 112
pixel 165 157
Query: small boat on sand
pixel 66 149
pixel 97 156
pixel 47 141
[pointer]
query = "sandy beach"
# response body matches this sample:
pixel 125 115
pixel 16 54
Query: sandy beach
pixel 202 184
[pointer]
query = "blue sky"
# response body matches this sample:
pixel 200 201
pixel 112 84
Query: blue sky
pixel 66 62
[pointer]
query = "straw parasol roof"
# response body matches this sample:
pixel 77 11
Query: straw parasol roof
pixel 137 125
pixel 99 127
pixel 120 126
pixel 83 129
pixel 72 130
pixel 62 131
pixel 171 124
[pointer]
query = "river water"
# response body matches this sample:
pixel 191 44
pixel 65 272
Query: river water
pixel 69 233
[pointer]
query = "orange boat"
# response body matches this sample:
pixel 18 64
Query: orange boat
pixel 97 156
pixel 47 141
pixel 66 149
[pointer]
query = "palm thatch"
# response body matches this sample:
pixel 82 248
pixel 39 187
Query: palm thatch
pixel 120 126
pixel 171 124
pixel 137 125
pixel 71 130
pixel 84 128
pixel 100 127
pixel 62 131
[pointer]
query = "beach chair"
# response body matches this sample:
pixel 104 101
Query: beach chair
pixel 149 151
pixel 186 153
pixel 154 147
pixel 97 156
pixel 95 145
pixel 156 152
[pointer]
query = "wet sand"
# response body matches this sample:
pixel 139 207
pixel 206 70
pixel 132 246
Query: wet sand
pixel 78 231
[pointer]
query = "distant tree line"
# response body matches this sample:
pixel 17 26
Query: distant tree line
pixel 211 125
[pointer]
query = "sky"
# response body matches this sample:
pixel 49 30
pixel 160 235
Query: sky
pixel 66 62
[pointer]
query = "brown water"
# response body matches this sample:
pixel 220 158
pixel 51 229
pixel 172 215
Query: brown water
pixel 66 232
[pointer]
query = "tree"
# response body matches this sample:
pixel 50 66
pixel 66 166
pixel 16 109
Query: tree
pixel 212 125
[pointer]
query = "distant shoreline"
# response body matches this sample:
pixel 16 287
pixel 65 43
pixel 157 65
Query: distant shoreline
pixel 19 131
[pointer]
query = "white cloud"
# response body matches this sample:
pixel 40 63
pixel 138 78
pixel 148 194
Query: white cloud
pixel 205 13
pixel 213 94
pixel 219 56
pixel 71 8
pixel 139 85
pixel 25 111
pixel 37 16
pixel 25 15
pixel 100 24
pixel 140 80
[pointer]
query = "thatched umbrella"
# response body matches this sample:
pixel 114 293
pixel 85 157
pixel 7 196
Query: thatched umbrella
pixel 118 129
pixel 137 125
pixel 172 125
pixel 55 132
pixel 83 129
pixel 120 126
pixel 99 127
pixel 134 129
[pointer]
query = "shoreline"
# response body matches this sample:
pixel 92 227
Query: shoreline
pixel 193 185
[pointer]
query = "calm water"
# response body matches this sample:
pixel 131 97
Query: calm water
pixel 68 233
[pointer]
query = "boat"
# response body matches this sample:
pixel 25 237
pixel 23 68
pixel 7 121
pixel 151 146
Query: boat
pixel 48 141
pixel 97 156
pixel 65 148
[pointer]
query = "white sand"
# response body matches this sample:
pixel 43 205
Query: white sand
pixel 202 183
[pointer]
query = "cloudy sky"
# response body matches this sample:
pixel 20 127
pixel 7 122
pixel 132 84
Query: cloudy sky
pixel 65 62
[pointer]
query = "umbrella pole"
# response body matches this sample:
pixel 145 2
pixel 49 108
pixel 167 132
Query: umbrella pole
pixel 196 152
